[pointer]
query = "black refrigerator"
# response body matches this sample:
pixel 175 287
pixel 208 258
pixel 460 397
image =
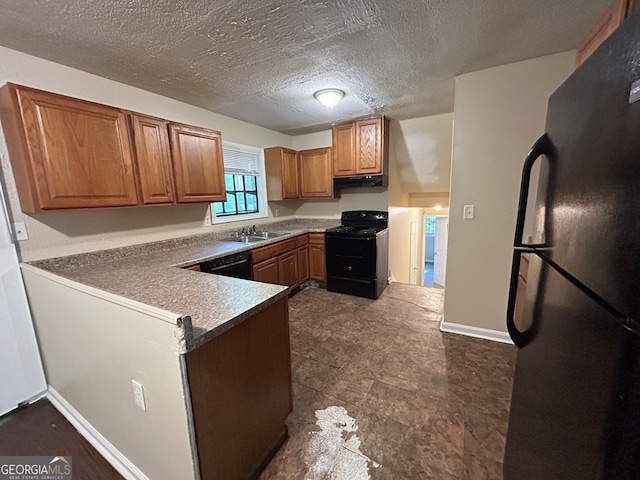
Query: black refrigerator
pixel 575 409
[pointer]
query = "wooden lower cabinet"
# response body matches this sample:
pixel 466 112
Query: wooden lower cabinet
pixel 241 394
pixel 303 264
pixel 266 271
pixel 288 269
pixel 317 261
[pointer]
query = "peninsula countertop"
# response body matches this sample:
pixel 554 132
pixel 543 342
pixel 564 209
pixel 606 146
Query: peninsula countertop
pixel 205 305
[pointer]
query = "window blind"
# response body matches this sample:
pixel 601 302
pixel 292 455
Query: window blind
pixel 240 162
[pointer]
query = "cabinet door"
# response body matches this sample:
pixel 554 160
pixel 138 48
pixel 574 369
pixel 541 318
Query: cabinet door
pixel 317 262
pixel 290 180
pixel 152 159
pixel 197 164
pixel 606 24
pixel 288 269
pixel 369 146
pixel 316 180
pixel 303 264
pixel 266 271
pixel 344 150
pixel 74 154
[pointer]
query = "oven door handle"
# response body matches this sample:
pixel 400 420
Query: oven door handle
pixel 337 237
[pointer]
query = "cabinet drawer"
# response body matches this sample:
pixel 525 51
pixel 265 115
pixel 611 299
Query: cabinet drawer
pixel 302 240
pixel 316 238
pixel 275 249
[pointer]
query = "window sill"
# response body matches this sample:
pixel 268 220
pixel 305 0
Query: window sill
pixel 237 218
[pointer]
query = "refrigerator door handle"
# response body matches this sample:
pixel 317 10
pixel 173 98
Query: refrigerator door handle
pixel 520 338
pixel 543 146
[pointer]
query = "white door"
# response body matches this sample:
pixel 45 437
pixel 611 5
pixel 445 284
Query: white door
pixel 413 255
pixel 21 375
pixel 440 250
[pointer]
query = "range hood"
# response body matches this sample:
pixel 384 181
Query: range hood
pixel 361 181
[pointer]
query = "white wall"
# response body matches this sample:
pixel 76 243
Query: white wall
pixel 423 151
pixel 498 115
pixel 92 349
pixel 63 233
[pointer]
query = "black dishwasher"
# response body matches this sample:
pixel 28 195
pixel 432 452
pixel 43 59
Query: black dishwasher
pixel 237 265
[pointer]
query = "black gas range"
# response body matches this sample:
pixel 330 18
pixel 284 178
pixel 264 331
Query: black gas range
pixel 357 253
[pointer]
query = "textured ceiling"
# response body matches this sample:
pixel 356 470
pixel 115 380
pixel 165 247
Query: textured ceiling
pixel 261 61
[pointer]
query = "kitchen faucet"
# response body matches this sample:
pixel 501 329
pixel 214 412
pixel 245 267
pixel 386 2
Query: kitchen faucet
pixel 248 230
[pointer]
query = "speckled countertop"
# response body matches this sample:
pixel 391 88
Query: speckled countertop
pixel 152 274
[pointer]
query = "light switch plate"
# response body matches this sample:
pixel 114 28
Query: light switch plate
pixel 138 395
pixel 468 212
pixel 20 231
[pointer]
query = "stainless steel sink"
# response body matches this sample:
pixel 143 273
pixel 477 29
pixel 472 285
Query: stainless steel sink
pixel 254 237
pixel 243 239
pixel 264 235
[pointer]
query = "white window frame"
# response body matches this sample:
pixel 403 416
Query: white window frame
pixel 261 184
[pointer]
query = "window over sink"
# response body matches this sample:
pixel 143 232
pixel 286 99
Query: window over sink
pixel 244 183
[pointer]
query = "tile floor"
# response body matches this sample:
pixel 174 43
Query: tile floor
pixel 380 392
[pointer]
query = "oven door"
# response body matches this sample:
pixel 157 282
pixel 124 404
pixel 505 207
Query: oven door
pixel 351 256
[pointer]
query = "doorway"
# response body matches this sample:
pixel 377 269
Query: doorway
pixel 436 236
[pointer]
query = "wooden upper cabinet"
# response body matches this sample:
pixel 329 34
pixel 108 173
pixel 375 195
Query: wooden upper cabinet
pixel 369 146
pixel 605 26
pixel 632 5
pixel 316 180
pixel 281 167
pixel 197 164
pixel 153 159
pixel 344 149
pixel 360 148
pixel 65 152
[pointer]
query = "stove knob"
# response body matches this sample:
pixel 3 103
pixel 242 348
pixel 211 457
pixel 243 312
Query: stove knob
pixel 348 268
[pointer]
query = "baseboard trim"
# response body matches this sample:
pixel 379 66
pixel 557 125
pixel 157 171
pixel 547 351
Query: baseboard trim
pixel 477 332
pixel 111 454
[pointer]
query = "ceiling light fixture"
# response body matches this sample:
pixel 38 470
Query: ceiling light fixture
pixel 329 97
pixel 437 208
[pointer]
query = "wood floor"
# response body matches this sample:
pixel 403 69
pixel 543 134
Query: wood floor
pixel 41 430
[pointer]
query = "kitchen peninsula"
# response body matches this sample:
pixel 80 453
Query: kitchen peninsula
pixel 211 352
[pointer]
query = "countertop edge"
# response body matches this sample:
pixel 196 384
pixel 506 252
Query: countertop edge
pixel 199 340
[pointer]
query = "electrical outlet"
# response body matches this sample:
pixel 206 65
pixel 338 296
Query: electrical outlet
pixel 277 213
pixel 20 230
pixel 468 212
pixel 138 395
pixel 207 220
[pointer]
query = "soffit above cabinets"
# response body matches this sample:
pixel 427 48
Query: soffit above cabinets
pixel 262 61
